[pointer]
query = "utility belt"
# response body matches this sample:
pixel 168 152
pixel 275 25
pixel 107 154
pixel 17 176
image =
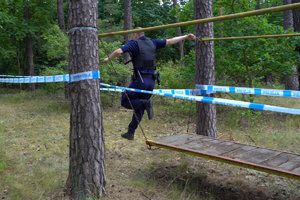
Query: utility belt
pixel 137 75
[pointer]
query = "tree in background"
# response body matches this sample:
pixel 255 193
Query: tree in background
pixel 205 71
pixel 29 46
pixel 181 51
pixel 296 17
pixel 291 81
pixel 86 169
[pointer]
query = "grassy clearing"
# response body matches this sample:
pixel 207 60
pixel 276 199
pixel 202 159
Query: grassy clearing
pixel 34 132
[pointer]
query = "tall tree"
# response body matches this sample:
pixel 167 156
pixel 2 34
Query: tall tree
pixel 86 168
pixel 291 80
pixel 181 51
pixel 296 16
pixel 127 23
pixel 205 69
pixel 258 5
pixel 29 46
pixel 60 15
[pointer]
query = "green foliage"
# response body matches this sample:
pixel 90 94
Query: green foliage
pixel 55 43
pixel 116 72
pixel 49 71
pixel 251 60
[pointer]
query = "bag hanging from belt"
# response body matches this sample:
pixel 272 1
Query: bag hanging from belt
pixel 137 74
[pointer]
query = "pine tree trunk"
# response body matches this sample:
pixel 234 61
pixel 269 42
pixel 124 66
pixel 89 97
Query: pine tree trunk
pixel 29 47
pixel 87 154
pixel 61 24
pixel 258 5
pixel 127 26
pixel 181 50
pixel 205 69
pixel 60 16
pixel 296 16
pixel 291 80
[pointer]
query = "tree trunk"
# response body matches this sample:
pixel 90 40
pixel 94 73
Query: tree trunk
pixel 296 16
pixel 61 24
pixel 291 80
pixel 258 5
pixel 181 50
pixel 127 26
pixel 86 166
pixel 127 19
pixel 29 47
pixel 60 16
pixel 205 69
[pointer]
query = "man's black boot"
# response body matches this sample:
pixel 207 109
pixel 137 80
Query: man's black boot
pixel 129 135
pixel 149 108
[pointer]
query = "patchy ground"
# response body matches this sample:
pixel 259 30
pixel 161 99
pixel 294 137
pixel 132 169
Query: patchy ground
pixel 34 147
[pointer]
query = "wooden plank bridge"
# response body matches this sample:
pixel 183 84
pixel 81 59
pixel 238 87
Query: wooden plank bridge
pixel 266 160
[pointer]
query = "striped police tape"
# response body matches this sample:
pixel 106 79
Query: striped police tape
pixel 56 78
pixel 14 76
pixel 256 91
pixel 212 100
pixel 166 91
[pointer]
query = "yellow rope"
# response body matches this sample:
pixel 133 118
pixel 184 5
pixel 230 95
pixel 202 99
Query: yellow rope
pixel 212 19
pixel 248 37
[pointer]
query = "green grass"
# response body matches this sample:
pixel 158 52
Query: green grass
pixel 34 149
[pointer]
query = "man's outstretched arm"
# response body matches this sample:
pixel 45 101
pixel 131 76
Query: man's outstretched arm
pixel 180 38
pixel 114 54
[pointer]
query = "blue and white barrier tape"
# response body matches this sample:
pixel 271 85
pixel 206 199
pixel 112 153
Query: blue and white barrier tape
pixel 256 91
pixel 226 102
pixel 14 76
pixel 165 91
pixel 56 78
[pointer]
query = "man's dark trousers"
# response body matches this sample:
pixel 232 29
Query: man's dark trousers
pixel 135 98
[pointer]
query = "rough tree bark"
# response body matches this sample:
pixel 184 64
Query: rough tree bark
pixel 29 47
pixel 205 69
pixel 181 50
pixel 86 166
pixel 291 80
pixel 296 16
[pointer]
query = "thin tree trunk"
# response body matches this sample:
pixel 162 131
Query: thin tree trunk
pixel 291 80
pixel 87 154
pixel 205 69
pixel 60 16
pixel 127 26
pixel 181 50
pixel 296 16
pixel 258 5
pixel 29 47
pixel 61 24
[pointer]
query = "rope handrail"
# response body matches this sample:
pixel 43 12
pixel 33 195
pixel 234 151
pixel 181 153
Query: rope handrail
pixel 248 37
pixel 212 19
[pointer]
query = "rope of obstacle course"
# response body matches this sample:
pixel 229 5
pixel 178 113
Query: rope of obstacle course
pixel 212 19
pixel 248 37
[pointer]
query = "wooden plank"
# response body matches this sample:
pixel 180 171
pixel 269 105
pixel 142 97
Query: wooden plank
pixel 291 164
pixel 266 160
pixel 239 151
pixel 279 159
pixel 257 155
pixel 176 139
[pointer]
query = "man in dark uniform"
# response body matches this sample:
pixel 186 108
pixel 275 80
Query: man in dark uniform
pixel 142 51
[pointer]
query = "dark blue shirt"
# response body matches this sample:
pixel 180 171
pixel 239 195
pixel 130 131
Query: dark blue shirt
pixel 132 47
